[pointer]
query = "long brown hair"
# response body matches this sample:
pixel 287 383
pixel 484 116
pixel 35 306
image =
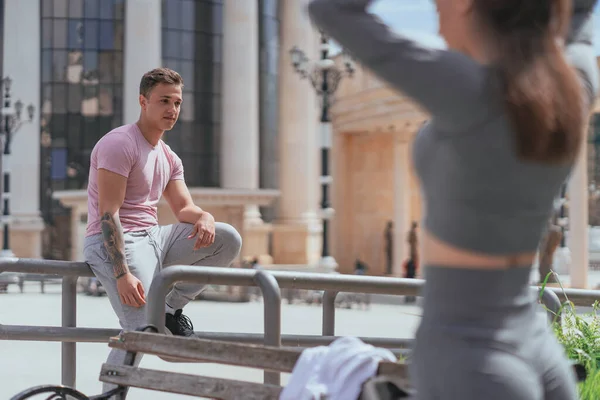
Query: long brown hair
pixel 542 93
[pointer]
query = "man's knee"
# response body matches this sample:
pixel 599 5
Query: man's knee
pixel 228 239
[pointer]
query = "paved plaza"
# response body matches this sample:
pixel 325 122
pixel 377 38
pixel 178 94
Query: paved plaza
pixel 25 364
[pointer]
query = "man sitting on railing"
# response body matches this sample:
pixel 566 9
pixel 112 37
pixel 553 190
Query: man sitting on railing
pixel 131 168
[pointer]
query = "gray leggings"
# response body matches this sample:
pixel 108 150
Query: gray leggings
pixel 482 337
pixel 149 251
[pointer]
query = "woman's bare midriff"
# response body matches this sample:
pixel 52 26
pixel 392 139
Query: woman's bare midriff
pixel 435 252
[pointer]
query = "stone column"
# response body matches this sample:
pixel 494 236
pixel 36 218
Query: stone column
pixel 402 200
pixel 239 163
pixel 143 50
pixel 578 239
pixel 296 236
pixel 21 62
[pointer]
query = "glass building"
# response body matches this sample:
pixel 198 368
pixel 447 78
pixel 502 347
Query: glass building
pixel 79 62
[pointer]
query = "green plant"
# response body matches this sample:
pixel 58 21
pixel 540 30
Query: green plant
pixel 590 388
pixel 580 336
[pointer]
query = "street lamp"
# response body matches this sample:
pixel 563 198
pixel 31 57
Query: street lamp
pixel 324 76
pixel 11 122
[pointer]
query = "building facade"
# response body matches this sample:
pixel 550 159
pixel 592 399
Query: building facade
pixel 79 63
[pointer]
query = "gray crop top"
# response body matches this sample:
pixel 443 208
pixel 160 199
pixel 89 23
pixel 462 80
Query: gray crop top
pixel 478 195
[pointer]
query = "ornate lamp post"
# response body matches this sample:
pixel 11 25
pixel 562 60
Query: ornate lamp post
pixel 11 122
pixel 324 76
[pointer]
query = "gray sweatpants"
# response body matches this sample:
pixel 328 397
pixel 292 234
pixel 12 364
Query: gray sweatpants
pixel 147 253
pixel 482 337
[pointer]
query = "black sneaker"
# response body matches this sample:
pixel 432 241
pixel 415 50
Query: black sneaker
pixel 179 324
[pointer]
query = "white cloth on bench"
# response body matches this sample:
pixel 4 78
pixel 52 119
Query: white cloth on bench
pixel 334 372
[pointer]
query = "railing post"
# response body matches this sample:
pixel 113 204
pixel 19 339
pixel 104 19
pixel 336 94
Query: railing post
pixel 272 317
pixel 328 328
pixel 69 320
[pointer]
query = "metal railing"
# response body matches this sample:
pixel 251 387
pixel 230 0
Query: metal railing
pixel 269 282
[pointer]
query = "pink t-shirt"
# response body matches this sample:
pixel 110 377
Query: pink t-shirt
pixel 148 170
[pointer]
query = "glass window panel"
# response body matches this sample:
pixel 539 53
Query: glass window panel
pixel 47 8
pixel 172 49
pixel 188 133
pixel 188 14
pixel 90 36
pixel 117 99
pixel 173 64
pixel 187 73
pixel 217 46
pixel 163 14
pixel 200 76
pixel 91 8
pixel 216 78
pixel 74 133
pixel 74 68
pixel 119 35
pixel 119 9
pixel 75 34
pixel 106 100
pixel 59 62
pixel 59 36
pixel 75 98
pixel 90 91
pixel 76 8
pixel 47 99
pixel 90 60
pixel 88 128
pixel 187 45
pixel 164 44
pixel 187 108
pixel 217 21
pixel 107 9
pixel 216 108
pixel 117 120
pixel 118 67
pixel 173 9
pixel 106 67
pixel 103 126
pixel 90 105
pixel 204 17
pixel 58 185
pixel 46 66
pixel 58 126
pixel 202 46
pixel 59 163
pixel 46 33
pixel 59 141
pixel 107 35
pixel 60 8
pixel 59 99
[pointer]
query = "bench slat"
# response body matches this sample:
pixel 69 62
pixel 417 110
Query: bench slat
pixel 192 385
pixel 182 349
pixel 203 350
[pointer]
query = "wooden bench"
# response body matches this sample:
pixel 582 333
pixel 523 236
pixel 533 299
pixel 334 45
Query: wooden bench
pixel 391 378
pixel 180 349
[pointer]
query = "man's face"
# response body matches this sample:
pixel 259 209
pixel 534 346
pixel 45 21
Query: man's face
pixel 161 107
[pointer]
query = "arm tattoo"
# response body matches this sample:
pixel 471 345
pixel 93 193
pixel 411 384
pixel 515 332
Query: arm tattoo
pixel 112 232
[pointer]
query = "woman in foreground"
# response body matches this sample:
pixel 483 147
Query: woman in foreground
pixel 510 101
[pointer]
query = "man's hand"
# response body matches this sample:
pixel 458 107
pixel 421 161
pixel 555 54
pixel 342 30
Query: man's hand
pixel 131 290
pixel 205 229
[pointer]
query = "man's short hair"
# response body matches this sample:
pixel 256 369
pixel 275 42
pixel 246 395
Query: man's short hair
pixel 157 76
